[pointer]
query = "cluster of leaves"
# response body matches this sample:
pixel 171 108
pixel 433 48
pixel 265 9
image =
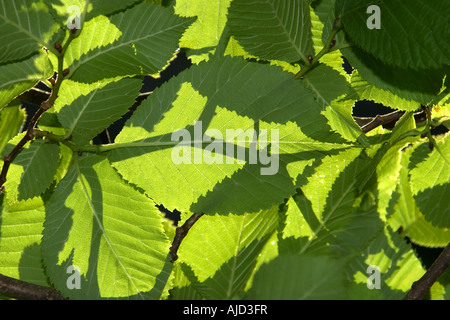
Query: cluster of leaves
pixel 342 199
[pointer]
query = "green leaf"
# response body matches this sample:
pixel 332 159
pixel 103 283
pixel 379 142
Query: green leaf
pixel 441 115
pixel 411 85
pixel 387 173
pixel 397 264
pixel 206 31
pixel 430 183
pixel 407 217
pixel 20 239
pixel 16 78
pixel 323 213
pixel 110 231
pixel 426 235
pixel 406 38
pixel 119 46
pixel 322 24
pixel 182 289
pixel 66 8
pixel 11 121
pixel 273 30
pixel 26 26
pixel 363 90
pixel 299 277
pixel 325 12
pixel 97 7
pixel 87 109
pixel 405 211
pixel 402 127
pixel 32 170
pixel 329 86
pixel 220 252
pixel 220 95
pixel 49 121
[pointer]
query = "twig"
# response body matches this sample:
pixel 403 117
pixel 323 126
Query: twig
pixel 388 121
pixel 17 289
pixel 180 233
pixel 382 120
pixel 421 286
pixel 47 104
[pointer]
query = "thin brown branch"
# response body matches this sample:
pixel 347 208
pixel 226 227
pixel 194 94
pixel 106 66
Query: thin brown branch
pixel 180 233
pixel 388 120
pixel 380 120
pixel 423 285
pixel 47 104
pixel 17 289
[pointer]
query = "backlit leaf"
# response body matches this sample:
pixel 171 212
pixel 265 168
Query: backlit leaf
pixel 87 109
pixel 110 231
pixel 32 171
pixel 430 182
pixel 21 228
pixel 222 95
pixel 140 40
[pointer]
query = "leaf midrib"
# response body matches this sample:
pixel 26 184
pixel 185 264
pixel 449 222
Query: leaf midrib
pixel 99 223
pixel 322 225
pixel 235 257
pixel 82 111
pixel 19 27
pixel 294 45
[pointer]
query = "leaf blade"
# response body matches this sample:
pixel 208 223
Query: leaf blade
pixel 273 30
pixel 110 221
pixel 87 109
pixel 26 26
pixel 222 95
pixel 406 39
pixel 141 49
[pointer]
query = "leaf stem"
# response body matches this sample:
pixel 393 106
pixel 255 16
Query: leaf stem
pixel 326 49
